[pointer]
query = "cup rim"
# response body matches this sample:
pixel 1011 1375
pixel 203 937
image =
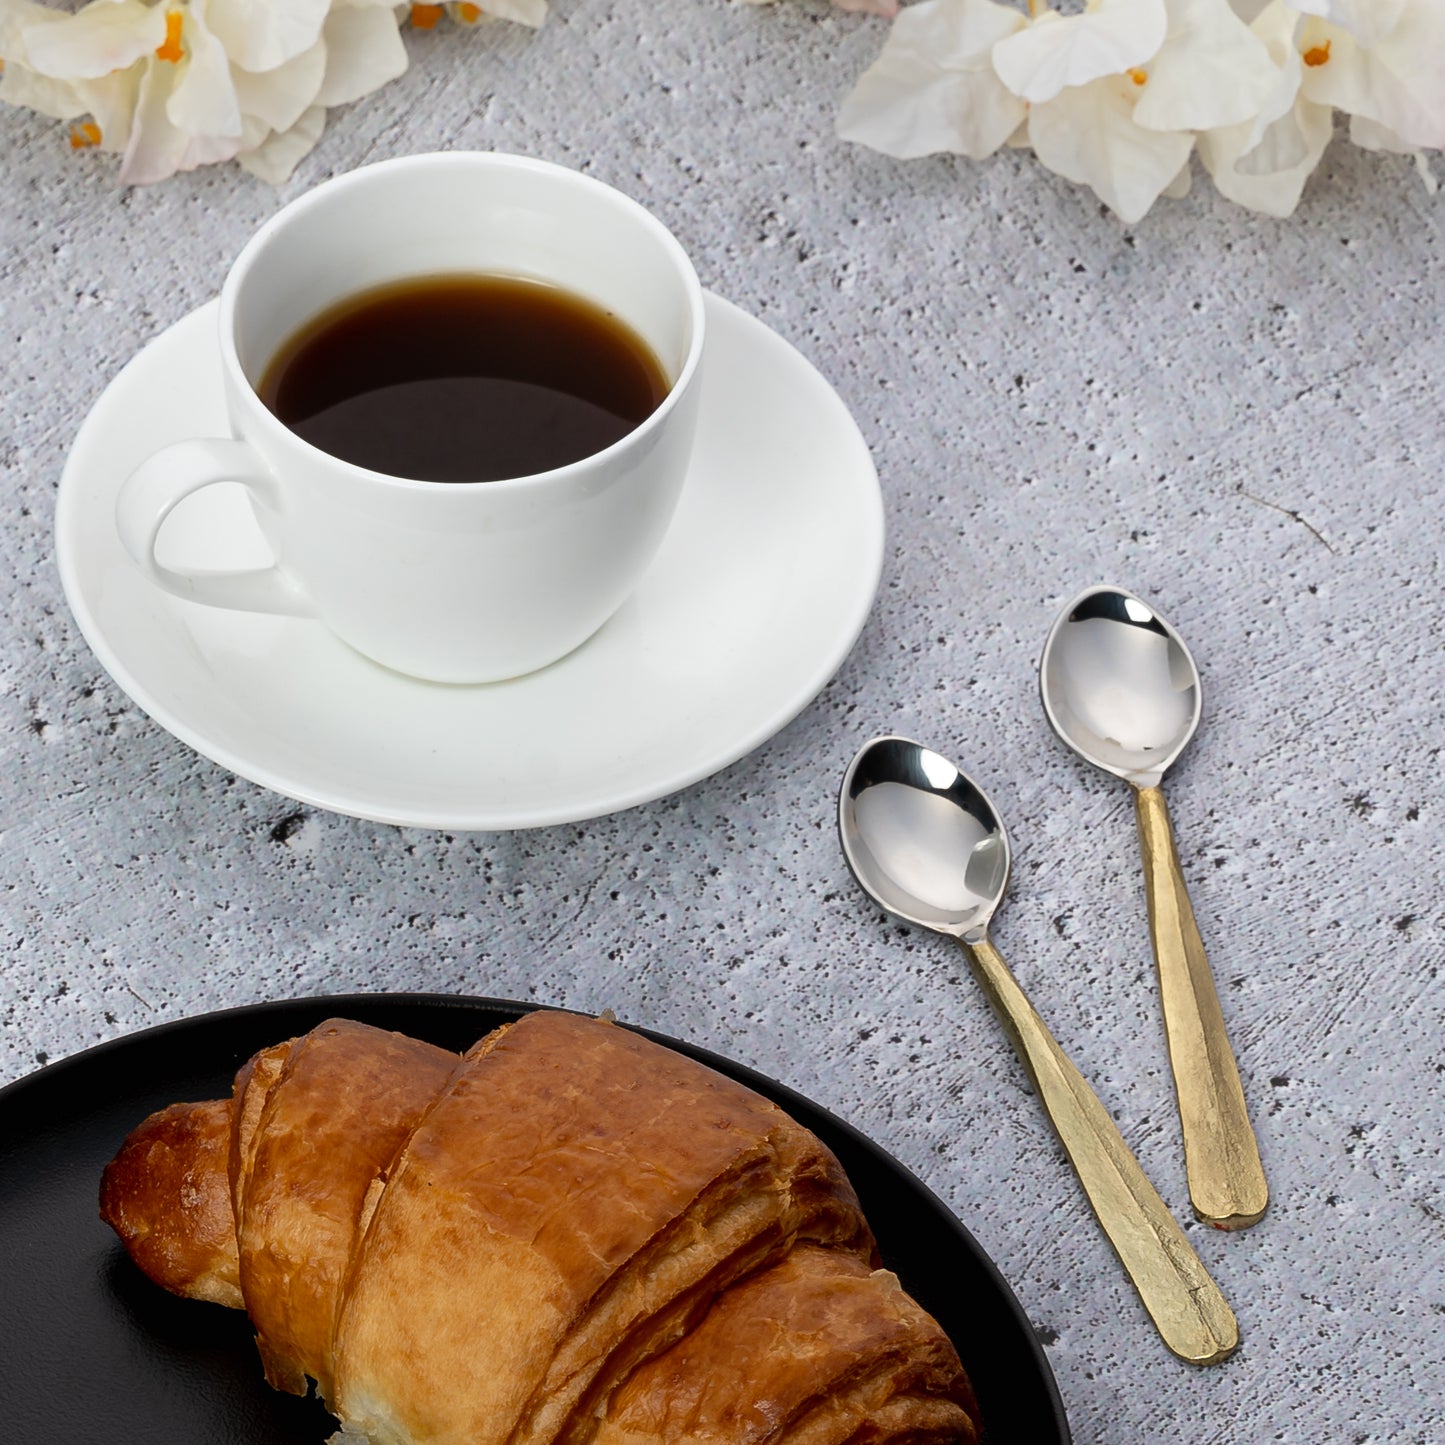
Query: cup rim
pixel 242 387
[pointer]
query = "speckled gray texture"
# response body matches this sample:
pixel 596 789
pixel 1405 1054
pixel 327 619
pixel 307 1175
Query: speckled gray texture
pixel 1237 417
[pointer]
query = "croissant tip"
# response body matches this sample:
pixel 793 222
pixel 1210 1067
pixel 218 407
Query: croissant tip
pixel 167 1196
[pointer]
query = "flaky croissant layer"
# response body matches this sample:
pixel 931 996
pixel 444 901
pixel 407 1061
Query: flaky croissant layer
pixel 569 1235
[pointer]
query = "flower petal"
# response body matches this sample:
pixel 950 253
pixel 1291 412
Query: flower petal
pixel 933 87
pixel 1210 71
pixel 1275 141
pixel 1280 146
pixel 262 34
pixel 363 50
pixel 525 12
pixel 1056 51
pixel 155 147
pixel 1370 135
pixel 112 101
pixel 1369 21
pixel 1276 193
pixel 279 154
pixel 107 35
pixel 1400 83
pixel 203 100
pixel 1087 134
pixel 1181 185
pixel 15 17
pixel 19 84
pixel 281 96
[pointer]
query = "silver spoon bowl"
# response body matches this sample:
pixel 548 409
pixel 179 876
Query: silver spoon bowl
pixel 1120 687
pixel 907 818
pixel 925 843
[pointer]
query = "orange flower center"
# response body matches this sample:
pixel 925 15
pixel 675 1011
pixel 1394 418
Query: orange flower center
pixel 170 47
pixel 424 17
pixel 469 14
pixel 84 135
pixel 1317 54
pixel 1138 76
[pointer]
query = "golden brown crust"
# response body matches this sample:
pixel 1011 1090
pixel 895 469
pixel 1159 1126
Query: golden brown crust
pixel 817 1349
pixel 333 1118
pixel 569 1225
pixel 166 1195
pixel 576 1193
pixel 253 1084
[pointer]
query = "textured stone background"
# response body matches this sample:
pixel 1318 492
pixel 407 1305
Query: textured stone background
pixel 1238 417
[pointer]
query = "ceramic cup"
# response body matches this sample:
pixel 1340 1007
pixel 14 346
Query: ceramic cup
pixel 454 582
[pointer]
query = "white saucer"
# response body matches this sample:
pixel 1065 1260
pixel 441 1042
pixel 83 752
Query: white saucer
pixel 761 589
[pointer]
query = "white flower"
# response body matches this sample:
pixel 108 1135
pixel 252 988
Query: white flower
pixel 1118 91
pixel 173 84
pixel 525 12
pixel 363 50
pixel 1263 163
pixel 1396 79
pixel 965 75
pixel 1054 51
pixel 1088 134
pixel 1210 71
pixel 259 35
pixel 1116 96
pixel 933 87
pixel 20 85
pixel 156 79
pixel 277 154
pixel 1369 21
pixel 1127 133
pixel 181 83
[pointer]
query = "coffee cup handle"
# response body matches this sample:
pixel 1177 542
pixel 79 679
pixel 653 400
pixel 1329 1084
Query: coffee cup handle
pixel 154 490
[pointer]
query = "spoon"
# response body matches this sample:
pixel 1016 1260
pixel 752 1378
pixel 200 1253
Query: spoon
pixel 1121 689
pixel 926 845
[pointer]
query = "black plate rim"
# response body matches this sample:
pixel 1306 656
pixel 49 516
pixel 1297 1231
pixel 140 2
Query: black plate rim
pixel 788 1097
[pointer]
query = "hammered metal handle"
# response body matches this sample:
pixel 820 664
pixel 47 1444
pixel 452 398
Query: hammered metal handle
pixel 1226 1179
pixel 1183 1301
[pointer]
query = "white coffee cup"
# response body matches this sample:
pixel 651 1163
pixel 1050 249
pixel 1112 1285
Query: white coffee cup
pixel 454 582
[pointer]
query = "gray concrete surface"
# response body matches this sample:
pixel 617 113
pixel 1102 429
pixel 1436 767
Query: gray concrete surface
pixel 1238 417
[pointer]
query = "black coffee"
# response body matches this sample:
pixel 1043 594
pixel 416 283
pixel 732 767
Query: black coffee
pixel 464 379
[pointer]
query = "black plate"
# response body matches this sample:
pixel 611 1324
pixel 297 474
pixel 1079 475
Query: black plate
pixel 92 1353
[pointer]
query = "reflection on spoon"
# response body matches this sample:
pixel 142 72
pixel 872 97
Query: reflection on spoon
pixel 1121 689
pixel 925 844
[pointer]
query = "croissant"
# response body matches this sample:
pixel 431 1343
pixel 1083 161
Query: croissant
pixel 568 1235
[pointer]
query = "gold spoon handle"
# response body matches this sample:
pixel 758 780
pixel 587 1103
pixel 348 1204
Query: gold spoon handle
pixel 1183 1301
pixel 1221 1157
